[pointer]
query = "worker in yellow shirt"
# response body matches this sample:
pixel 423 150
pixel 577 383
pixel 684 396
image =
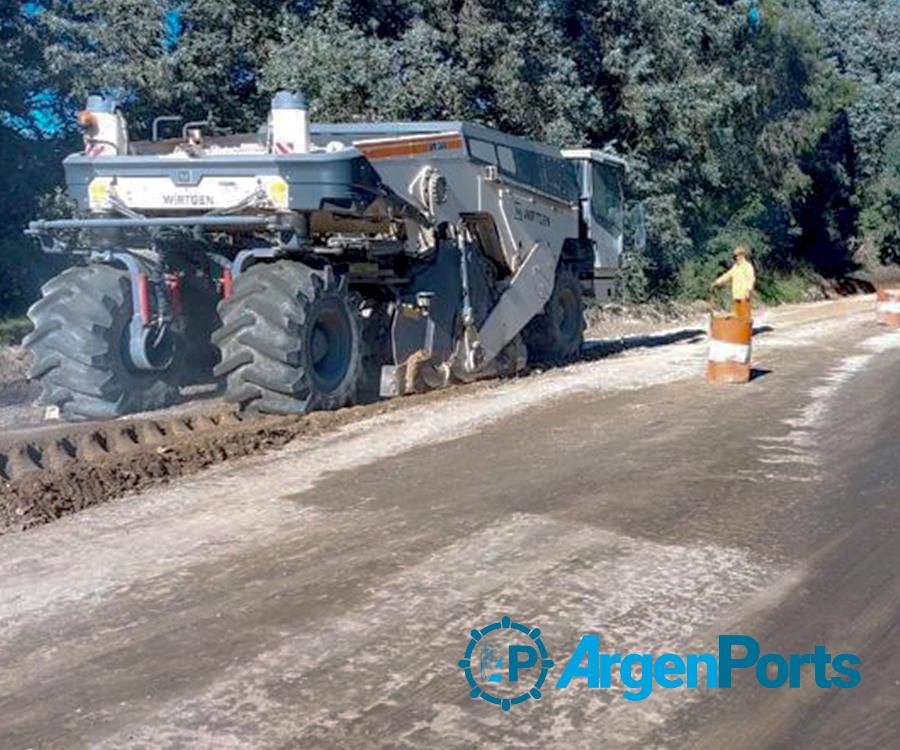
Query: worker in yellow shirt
pixel 743 281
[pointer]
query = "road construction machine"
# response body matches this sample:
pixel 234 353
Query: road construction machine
pixel 310 266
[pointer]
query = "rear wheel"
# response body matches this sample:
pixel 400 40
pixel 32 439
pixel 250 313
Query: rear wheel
pixel 80 348
pixel 290 340
pixel 557 334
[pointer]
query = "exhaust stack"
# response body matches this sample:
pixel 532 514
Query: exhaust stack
pixel 289 118
pixel 105 130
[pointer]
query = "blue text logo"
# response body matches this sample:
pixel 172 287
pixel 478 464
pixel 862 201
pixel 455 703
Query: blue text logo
pixel 506 663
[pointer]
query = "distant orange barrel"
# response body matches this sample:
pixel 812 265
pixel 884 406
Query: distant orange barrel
pixel 888 310
pixel 730 337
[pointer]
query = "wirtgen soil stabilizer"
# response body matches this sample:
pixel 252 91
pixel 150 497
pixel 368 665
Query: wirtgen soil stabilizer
pixel 313 267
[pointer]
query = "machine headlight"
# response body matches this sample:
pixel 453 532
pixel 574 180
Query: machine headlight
pixel 98 192
pixel 277 190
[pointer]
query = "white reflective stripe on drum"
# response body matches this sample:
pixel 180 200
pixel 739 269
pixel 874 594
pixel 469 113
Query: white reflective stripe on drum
pixel 722 351
pixel 890 308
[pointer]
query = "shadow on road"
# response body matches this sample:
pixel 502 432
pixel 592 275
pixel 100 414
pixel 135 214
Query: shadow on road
pixel 600 348
pixel 594 349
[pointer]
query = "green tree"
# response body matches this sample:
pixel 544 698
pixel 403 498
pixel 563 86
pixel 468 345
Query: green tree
pixel 864 36
pixel 880 219
pixel 30 151
pixel 126 48
pixel 766 136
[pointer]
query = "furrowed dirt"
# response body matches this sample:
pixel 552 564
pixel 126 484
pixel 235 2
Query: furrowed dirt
pixel 62 470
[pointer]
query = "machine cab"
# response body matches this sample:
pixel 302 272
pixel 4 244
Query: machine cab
pixel 601 180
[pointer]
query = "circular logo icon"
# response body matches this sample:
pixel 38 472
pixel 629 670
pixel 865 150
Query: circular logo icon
pixel 506 663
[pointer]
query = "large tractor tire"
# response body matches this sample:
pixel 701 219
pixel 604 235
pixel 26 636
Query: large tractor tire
pixel 557 334
pixel 290 340
pixel 80 348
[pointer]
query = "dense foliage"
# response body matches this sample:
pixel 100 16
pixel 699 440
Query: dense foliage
pixel 865 37
pixel 785 135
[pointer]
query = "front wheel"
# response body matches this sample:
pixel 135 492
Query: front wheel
pixel 557 334
pixel 80 348
pixel 290 340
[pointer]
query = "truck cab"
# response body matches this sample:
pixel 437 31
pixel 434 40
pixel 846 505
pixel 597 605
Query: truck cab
pixel 601 179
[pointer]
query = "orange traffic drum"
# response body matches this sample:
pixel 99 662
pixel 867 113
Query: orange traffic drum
pixel 888 309
pixel 729 349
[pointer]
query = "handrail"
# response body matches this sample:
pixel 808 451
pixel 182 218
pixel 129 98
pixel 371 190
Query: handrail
pixel 45 225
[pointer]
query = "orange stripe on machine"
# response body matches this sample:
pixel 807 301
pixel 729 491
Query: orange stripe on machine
pixel 414 145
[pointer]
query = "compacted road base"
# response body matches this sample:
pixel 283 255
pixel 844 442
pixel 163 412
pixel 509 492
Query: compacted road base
pixel 321 596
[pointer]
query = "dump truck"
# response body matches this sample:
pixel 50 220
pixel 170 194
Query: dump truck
pixel 310 266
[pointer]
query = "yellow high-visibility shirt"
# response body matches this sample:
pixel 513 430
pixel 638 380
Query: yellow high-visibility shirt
pixel 742 277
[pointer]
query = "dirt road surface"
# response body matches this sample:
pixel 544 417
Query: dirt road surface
pixel 322 595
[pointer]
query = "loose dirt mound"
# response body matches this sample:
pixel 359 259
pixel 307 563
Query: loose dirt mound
pixel 65 469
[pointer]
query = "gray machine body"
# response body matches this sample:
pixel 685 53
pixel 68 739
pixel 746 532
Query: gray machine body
pixel 451 185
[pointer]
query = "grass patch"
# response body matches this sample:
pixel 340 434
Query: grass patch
pixel 13 330
pixel 787 288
